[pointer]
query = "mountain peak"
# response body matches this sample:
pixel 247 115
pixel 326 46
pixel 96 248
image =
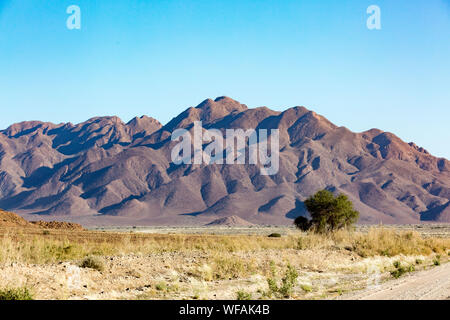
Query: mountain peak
pixel 220 107
pixel 105 120
pixel 138 121
pixel 225 99
pixel 144 124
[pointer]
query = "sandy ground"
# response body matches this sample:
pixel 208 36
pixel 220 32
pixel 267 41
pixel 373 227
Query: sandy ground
pixel 323 273
pixel 431 284
pixel 179 276
pixel 171 276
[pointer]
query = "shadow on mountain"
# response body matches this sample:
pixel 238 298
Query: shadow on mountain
pixel 299 210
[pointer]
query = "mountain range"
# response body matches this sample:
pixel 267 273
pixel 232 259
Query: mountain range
pixel 105 171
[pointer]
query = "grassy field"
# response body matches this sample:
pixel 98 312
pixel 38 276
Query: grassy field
pixel 218 264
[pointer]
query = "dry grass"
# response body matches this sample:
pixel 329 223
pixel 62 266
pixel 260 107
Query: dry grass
pixel 385 242
pixel 192 266
pixel 30 247
pixel 58 246
pixel 377 242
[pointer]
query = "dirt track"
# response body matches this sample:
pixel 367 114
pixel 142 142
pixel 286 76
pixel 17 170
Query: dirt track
pixel 431 284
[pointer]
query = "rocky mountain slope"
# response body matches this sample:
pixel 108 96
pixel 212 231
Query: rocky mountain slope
pixel 122 173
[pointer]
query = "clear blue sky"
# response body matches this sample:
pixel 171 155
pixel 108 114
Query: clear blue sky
pixel 135 57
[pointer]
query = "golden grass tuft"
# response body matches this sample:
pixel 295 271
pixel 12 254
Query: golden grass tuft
pixel 388 242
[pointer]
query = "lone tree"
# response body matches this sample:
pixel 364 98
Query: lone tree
pixel 328 213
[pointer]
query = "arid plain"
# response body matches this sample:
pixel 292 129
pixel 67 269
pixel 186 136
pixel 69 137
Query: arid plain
pixel 62 262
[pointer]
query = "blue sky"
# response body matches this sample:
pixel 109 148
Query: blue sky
pixel 135 57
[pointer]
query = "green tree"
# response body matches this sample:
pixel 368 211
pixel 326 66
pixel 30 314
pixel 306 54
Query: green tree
pixel 328 213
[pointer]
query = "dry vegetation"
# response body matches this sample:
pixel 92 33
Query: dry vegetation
pixel 59 264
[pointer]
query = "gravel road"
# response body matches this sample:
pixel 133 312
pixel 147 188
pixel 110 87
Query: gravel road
pixel 432 284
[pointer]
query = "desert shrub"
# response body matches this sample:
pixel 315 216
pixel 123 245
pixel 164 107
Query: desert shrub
pixel 273 287
pixel 162 286
pixel 93 262
pixel 242 295
pixel 16 294
pixel 274 235
pixel 400 270
pixel 284 290
pixel 328 213
pixel 306 288
pixel 437 261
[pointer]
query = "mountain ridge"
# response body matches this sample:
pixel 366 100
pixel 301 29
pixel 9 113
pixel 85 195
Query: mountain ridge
pixel 107 169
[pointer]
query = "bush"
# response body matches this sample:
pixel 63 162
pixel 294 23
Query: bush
pixel 437 262
pixel 16 294
pixel 328 213
pixel 287 283
pixel 274 235
pixel 91 262
pixel 242 295
pixel 306 288
pixel 162 286
pixel 400 270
